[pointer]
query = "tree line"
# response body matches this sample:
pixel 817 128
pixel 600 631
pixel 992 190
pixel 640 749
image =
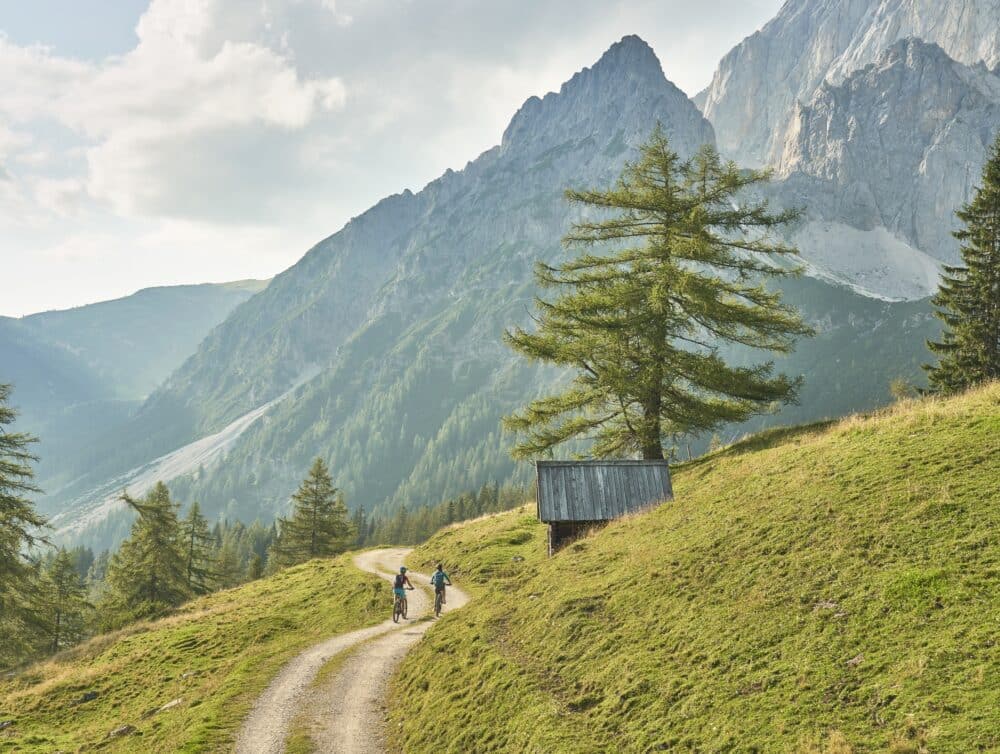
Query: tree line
pixel 406 526
pixel 52 598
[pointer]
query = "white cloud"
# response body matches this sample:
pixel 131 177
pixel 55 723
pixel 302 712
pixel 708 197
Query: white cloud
pixel 167 102
pixel 235 134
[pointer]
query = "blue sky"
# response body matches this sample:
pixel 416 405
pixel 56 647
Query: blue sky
pixel 178 141
pixel 88 29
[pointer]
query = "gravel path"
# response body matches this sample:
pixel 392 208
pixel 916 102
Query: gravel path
pixel 347 712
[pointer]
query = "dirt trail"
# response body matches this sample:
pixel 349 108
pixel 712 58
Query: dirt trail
pixel 346 712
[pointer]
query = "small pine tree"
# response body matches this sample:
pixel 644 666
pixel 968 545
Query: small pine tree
pixel 968 299
pixel 148 574
pixel 683 260
pixel 20 527
pixel 255 568
pixel 319 525
pixel 63 601
pixel 198 543
pixel 227 566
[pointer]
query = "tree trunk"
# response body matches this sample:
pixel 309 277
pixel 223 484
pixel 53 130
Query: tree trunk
pixel 58 628
pixel 652 451
pixel 650 440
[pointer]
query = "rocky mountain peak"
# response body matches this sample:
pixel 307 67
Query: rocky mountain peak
pixel 630 55
pixel 625 87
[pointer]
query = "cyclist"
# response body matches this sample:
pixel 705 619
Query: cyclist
pixel 439 578
pixel 401 584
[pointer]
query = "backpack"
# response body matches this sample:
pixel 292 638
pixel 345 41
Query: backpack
pixel 399 581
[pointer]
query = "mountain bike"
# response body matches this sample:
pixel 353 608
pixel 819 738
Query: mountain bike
pixel 399 609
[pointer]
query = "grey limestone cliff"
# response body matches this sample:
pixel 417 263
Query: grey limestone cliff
pixel 758 83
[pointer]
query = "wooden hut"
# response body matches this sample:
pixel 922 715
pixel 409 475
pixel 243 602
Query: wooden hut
pixel 574 496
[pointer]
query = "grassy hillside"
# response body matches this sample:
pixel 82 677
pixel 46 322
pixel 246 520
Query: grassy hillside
pixel 215 656
pixel 831 588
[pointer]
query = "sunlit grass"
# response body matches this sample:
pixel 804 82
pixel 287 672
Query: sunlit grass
pixel 831 588
pixel 215 655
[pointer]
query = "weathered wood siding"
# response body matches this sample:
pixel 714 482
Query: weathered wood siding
pixel 599 490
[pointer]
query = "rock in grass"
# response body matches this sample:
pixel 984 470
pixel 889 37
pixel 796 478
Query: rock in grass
pixel 125 730
pixel 4 724
pixel 156 710
pixel 170 705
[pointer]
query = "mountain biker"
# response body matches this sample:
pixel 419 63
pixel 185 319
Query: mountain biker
pixel 439 578
pixel 401 583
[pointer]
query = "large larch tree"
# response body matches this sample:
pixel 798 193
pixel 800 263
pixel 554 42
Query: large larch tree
pixel 673 263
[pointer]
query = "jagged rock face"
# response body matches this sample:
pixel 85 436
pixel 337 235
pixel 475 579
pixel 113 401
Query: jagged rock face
pixel 757 84
pixel 899 144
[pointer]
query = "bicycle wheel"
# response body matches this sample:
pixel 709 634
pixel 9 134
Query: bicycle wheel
pixel 404 601
pixel 397 610
pixel 437 604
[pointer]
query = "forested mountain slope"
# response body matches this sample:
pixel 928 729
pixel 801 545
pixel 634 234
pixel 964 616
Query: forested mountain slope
pixel 134 343
pixel 829 588
pixel 401 311
pixel 80 372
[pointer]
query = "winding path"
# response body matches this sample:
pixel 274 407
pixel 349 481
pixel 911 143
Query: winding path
pixel 346 712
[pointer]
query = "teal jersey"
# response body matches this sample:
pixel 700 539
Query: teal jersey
pixel 439 577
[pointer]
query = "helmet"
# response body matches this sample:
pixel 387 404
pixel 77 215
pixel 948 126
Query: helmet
pixel 402 569
pixel 440 567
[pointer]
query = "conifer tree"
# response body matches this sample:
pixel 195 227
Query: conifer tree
pixel 148 573
pixel 20 527
pixel 674 270
pixel 319 525
pixel 255 567
pixel 229 568
pixel 63 602
pixel 968 299
pixel 198 544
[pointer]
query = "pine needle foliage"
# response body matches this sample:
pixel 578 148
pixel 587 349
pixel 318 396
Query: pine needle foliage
pixel 63 602
pixel 148 574
pixel 199 544
pixel 20 527
pixel 674 270
pixel 319 526
pixel 968 299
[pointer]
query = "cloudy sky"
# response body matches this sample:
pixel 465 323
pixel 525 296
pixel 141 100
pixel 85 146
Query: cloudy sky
pixel 176 141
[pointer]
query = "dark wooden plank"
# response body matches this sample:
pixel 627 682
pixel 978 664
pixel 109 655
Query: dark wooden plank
pixel 599 490
pixel 620 489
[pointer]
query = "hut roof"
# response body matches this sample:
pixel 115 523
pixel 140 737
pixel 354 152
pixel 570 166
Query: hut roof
pixel 599 490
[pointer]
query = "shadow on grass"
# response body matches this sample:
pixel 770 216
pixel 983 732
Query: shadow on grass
pixel 763 440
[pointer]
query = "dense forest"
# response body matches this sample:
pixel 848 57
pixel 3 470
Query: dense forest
pixel 52 598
